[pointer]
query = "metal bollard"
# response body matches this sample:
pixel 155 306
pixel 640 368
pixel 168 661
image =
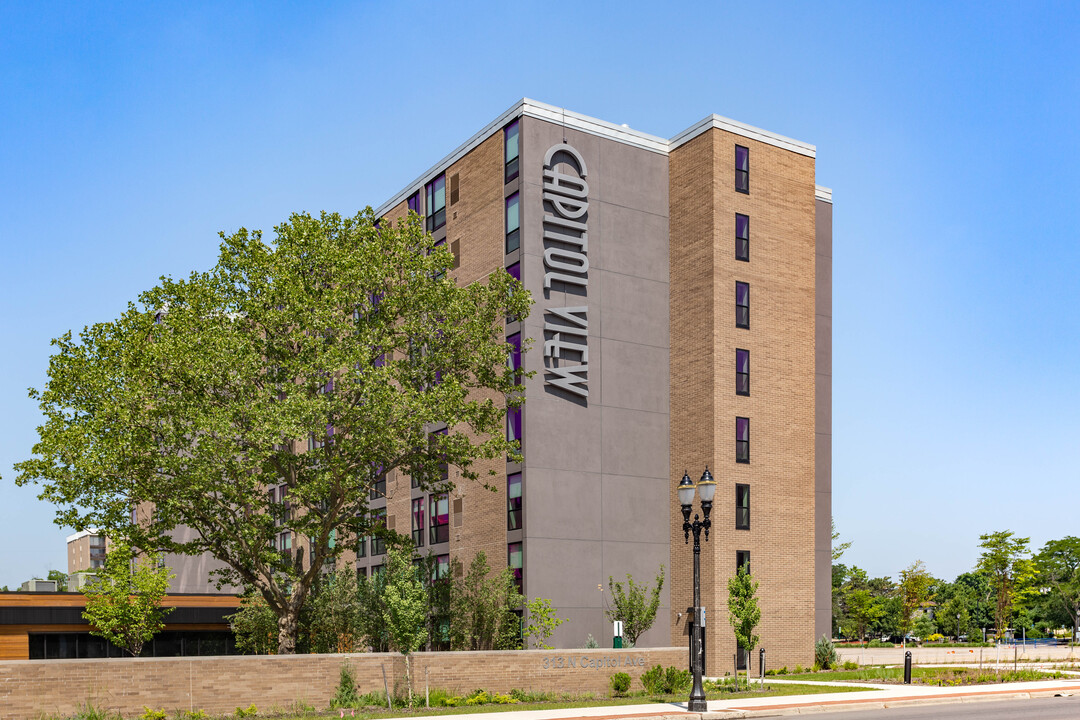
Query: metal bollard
pixel 907 668
pixel 761 665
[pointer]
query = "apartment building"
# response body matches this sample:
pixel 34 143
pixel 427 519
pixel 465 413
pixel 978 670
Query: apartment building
pixel 682 319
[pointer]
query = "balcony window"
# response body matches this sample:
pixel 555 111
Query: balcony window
pixel 418 523
pixel 516 562
pixel 439 512
pixel 513 223
pixel 511 137
pixel 435 197
pixel 513 498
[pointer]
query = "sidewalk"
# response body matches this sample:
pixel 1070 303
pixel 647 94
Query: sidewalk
pixel 880 697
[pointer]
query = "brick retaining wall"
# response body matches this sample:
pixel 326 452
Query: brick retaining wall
pixel 217 685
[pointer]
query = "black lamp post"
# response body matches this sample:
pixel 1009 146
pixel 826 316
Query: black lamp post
pixel 707 487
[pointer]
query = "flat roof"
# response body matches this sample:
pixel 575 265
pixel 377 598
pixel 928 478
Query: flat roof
pixel 601 128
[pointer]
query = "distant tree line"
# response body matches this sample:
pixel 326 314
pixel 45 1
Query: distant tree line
pixel 1010 588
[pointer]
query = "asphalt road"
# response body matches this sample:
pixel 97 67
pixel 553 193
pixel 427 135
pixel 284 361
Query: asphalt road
pixel 1058 708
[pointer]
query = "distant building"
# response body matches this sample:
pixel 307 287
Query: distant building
pixel 86 551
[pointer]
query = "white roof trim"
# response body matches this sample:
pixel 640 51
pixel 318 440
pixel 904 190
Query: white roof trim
pixel 542 111
pixel 82 534
pixel 747 131
pixel 823 193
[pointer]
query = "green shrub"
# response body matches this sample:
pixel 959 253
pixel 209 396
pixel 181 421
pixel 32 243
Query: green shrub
pixel 345 696
pixel 850 665
pixel 590 643
pixel 504 699
pixel 658 681
pixel 620 684
pixel 149 714
pixel 935 637
pixel 798 669
pixel 879 644
pixel 677 681
pixel 249 711
pixel 653 680
pixel 825 653
pixel 782 671
pixel 478 697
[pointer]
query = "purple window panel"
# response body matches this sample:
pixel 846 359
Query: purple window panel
pixel 513 424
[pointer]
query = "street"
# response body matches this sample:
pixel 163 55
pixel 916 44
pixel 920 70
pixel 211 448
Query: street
pixel 1056 708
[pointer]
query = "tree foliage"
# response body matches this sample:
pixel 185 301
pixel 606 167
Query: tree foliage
pixel 1005 561
pixel 405 610
pixel 743 611
pixel 635 606
pixel 838 548
pixel 1058 568
pixel 254 625
pixel 916 585
pixel 315 363
pixel 541 622
pixel 335 614
pixel 123 603
pixel 483 604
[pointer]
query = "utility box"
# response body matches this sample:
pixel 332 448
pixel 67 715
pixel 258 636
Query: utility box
pixel 617 631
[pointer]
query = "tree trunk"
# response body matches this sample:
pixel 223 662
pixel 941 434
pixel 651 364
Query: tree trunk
pixel 408 678
pixel 288 629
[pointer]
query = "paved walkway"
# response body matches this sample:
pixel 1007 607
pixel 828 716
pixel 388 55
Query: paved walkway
pixel 881 696
pixel 1000 655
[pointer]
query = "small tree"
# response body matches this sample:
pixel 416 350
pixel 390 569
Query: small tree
pixel 405 613
pixel 542 622
pixel 743 612
pixel 254 626
pixel 631 607
pixel 60 578
pixel 372 606
pixel 123 603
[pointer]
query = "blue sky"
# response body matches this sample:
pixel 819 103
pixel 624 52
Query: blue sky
pixel 130 134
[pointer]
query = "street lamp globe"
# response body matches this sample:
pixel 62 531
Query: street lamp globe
pixel 706 486
pixel 686 491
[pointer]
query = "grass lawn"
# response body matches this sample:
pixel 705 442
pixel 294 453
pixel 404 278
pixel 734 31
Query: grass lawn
pixel 368 713
pixel 930 675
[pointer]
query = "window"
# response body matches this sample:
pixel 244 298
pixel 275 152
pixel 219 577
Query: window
pixel 513 224
pixel 513 499
pixel 515 561
pixel 378 544
pixel 510 139
pixel 442 567
pixel 361 574
pixel 361 547
pixel 513 424
pixel 742 305
pixel 377 572
pixel 742 560
pixel 418 524
pixel 742 439
pixel 285 541
pixel 513 271
pixel 514 341
pixel 742 169
pixel 742 507
pixel 414 202
pixel 444 468
pixel 742 237
pixel 378 487
pixel 742 372
pixel 441 244
pixel 435 196
pixel 439 512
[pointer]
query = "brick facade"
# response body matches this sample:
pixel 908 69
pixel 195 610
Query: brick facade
pixel 781 404
pixel 218 685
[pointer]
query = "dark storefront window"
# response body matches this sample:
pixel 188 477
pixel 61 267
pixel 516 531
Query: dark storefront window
pixel 180 643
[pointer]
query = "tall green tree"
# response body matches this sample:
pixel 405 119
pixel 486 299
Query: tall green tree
pixel 405 612
pixel 1005 561
pixel 1058 568
pixel 743 612
pixel 254 625
pixel 335 613
pixel 635 606
pixel 317 363
pixel 916 585
pixel 123 603
pixel 483 605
